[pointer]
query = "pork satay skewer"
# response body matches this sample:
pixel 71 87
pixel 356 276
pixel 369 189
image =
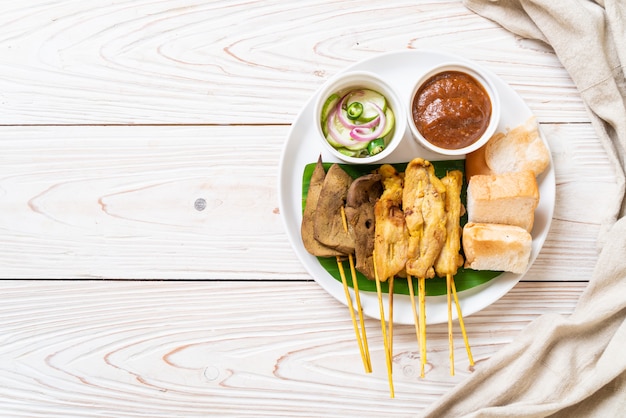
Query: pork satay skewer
pixel 412 199
pixel 424 208
pixel 323 204
pixel 450 259
pixel 331 228
pixel 358 214
pixel 390 249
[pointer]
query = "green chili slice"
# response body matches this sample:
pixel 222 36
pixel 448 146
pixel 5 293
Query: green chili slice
pixel 354 110
pixel 375 146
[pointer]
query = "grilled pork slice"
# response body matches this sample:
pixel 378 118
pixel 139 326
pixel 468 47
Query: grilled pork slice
pixel 412 199
pixel 312 245
pixel 424 194
pixel 450 259
pixel 362 196
pixel 391 235
pixel 328 227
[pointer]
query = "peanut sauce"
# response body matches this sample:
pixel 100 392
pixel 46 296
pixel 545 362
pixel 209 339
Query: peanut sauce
pixel 451 110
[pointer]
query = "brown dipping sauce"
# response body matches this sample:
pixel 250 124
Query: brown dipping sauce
pixel 451 110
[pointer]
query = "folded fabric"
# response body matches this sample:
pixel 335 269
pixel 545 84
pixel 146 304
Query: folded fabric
pixel 567 366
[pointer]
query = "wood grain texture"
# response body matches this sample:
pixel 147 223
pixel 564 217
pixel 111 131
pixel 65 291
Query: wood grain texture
pixel 216 62
pixel 140 142
pixel 138 349
pixel 119 203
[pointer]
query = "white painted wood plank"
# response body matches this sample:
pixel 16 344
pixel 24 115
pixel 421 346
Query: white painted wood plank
pixel 118 202
pixel 183 61
pixel 158 349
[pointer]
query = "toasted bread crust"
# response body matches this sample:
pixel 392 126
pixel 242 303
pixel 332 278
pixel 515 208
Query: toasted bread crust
pixel 509 198
pixel 496 247
pixel 519 149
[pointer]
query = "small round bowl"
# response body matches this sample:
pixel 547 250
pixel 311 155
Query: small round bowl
pixel 477 74
pixel 342 84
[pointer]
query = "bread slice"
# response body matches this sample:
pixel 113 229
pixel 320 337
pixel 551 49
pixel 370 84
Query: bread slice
pixel 517 150
pixel 509 198
pixel 496 247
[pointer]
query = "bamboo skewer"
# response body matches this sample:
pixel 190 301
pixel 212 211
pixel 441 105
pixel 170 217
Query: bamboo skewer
pixel 361 339
pixel 390 346
pixel 462 325
pixel 352 316
pixel 450 259
pixel 414 309
pixel 419 320
pixel 355 285
pixel 421 283
pixel 383 326
pixel 450 336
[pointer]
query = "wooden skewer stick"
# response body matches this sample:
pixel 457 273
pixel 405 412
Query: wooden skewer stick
pixel 460 315
pixel 390 346
pixel 352 316
pixel 450 336
pixel 361 338
pixel 421 283
pixel 355 285
pixel 384 331
pixel 414 308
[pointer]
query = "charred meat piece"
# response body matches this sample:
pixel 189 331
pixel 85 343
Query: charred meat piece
pixel 328 226
pixel 362 196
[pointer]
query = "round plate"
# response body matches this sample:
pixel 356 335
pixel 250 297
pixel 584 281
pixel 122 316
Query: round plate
pixel 401 70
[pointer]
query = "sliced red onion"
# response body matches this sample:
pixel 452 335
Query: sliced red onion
pixel 347 122
pixel 332 131
pixel 362 134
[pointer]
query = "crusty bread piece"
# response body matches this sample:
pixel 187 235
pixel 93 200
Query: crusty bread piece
pixel 509 198
pixel 496 247
pixel 517 150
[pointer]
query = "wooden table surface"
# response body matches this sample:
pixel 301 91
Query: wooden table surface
pixel 146 269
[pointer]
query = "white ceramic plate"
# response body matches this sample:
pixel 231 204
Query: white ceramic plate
pixel 401 70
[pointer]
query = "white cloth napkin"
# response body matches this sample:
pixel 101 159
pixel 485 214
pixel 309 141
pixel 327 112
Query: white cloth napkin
pixel 571 366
